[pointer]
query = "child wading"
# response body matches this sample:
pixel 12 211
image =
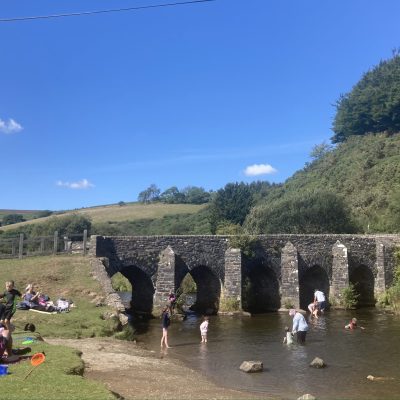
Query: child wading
pixel 204 330
pixel 353 324
pixel 288 339
pixel 165 321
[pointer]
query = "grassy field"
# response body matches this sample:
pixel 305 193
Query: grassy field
pixel 60 276
pixel 59 377
pixel 128 212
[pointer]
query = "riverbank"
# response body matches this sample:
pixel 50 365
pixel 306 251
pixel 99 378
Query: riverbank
pixel 132 372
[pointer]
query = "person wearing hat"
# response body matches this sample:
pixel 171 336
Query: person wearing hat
pixel 300 326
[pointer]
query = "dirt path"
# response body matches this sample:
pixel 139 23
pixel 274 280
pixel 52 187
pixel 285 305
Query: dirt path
pixel 136 373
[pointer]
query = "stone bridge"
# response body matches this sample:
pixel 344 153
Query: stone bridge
pixel 282 271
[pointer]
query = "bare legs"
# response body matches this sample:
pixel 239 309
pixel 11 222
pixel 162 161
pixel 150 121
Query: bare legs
pixel 164 338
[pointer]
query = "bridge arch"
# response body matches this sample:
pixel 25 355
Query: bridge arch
pixel 260 290
pixel 364 284
pixel 312 278
pixel 142 289
pixel 208 289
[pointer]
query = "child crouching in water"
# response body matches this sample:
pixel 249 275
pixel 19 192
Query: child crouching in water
pixel 353 324
pixel 288 339
pixel 204 330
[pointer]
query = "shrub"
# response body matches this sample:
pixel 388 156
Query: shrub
pixel 120 283
pixel 287 303
pixel 229 304
pixel 246 243
pixel 348 298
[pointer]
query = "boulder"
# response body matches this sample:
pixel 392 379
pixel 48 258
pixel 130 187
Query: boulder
pixel 317 363
pixel 251 366
pixel 123 319
pixel 307 397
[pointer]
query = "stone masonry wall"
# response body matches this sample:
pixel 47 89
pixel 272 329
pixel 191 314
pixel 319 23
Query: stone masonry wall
pixel 290 256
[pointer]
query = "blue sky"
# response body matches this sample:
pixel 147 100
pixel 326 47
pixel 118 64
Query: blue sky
pixel 94 109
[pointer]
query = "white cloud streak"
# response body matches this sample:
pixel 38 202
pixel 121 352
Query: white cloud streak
pixel 10 127
pixel 199 156
pixel 259 169
pixel 82 184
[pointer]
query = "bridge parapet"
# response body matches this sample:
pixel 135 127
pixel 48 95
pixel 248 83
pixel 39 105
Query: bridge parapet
pixel 299 264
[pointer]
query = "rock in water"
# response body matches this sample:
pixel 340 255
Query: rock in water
pixel 307 397
pixel 251 366
pixel 317 363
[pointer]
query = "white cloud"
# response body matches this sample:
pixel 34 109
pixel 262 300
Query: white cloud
pixel 82 184
pixel 10 127
pixel 259 169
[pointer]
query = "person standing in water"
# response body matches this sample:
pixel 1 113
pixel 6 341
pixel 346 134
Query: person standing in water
pixel 204 330
pixel 300 326
pixel 165 322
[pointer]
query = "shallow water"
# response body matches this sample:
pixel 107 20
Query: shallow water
pixel 350 355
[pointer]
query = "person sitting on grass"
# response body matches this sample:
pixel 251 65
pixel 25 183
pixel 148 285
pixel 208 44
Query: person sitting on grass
pixel 5 342
pixel 30 297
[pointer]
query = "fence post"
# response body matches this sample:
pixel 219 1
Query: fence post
pixel 84 242
pixel 42 245
pixel 21 245
pixel 13 248
pixel 55 248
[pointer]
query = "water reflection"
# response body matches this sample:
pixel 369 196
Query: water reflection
pixel 350 355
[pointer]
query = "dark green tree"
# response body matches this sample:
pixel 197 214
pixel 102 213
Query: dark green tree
pixel 232 204
pixel 150 194
pixel 64 225
pixel 172 196
pixel 373 105
pixel 12 219
pixel 196 195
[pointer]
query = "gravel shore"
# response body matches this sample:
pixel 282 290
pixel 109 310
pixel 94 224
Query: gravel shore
pixel 132 372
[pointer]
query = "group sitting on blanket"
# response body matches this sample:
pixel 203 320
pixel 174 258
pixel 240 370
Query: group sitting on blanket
pixel 40 302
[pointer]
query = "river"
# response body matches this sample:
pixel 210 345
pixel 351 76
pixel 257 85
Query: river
pixel 350 355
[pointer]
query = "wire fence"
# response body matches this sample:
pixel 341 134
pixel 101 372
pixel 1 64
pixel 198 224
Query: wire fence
pixel 20 247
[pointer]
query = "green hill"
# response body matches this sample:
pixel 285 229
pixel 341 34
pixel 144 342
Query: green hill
pixel 363 173
pixel 128 219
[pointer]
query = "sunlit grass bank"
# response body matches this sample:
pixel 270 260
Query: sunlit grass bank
pixel 127 212
pixel 60 376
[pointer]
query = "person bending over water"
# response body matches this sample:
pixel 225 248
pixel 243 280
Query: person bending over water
pixel 319 301
pixel 300 326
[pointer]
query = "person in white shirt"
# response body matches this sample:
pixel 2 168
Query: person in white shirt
pixel 320 301
pixel 204 330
